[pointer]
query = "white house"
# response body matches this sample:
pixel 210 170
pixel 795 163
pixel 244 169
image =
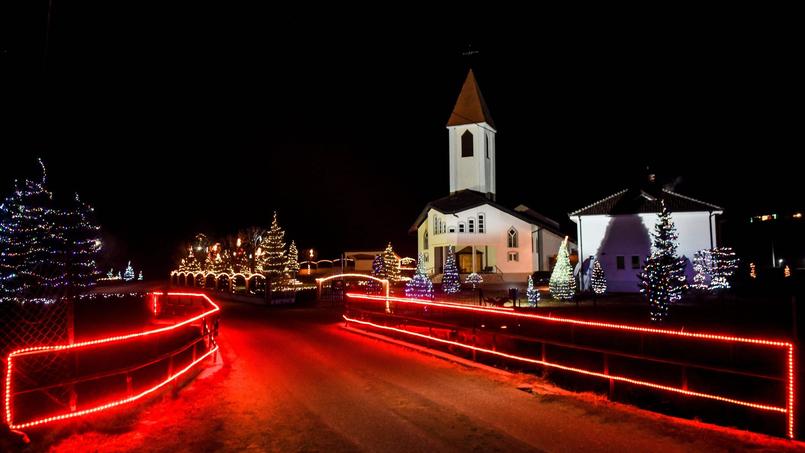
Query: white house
pixel 486 236
pixel 616 230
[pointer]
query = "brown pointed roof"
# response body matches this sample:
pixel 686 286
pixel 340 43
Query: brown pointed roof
pixel 470 107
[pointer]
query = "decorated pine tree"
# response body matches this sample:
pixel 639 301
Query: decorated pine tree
pixel 562 284
pixel 723 264
pixel 451 283
pixel 128 274
pixel 240 260
pixel 474 279
pixel 379 271
pixel 83 246
pixel 140 276
pixel 391 264
pixel 293 260
pixel 31 246
pixel 273 247
pixel 420 286
pixel 701 269
pixel 663 277
pixel 531 293
pixel 599 280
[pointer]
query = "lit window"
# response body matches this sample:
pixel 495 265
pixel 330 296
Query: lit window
pixel 466 144
pixel 481 224
pixel 471 225
pixel 514 256
pixel 512 237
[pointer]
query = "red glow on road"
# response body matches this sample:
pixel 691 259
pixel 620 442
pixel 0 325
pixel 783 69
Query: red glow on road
pixel 99 341
pixel 790 401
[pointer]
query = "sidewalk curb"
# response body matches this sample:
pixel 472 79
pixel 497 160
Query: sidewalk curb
pixel 432 352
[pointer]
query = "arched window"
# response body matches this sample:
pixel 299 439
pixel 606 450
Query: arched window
pixel 481 224
pixel 471 225
pixel 512 237
pixel 466 144
pixel 425 240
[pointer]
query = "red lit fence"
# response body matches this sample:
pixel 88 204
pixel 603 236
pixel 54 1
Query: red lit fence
pixel 114 370
pixel 752 373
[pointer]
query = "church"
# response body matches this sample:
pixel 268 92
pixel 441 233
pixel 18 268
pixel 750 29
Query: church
pixel 501 243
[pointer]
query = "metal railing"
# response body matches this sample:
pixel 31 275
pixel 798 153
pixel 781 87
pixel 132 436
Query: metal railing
pixel 752 373
pixel 113 370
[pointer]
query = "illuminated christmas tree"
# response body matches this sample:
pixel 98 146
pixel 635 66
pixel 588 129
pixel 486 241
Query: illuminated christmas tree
pixel 531 293
pixel 293 260
pixel 451 283
pixel 474 279
pixel 752 270
pixel 128 274
pixel 273 247
pixel 599 280
pixel 32 245
pixel 83 241
pixel 701 269
pixel 723 264
pixel 140 276
pixel 240 260
pixel 420 286
pixel 191 264
pixel 562 283
pixel 787 271
pixel 391 264
pixel 663 277
pixel 379 271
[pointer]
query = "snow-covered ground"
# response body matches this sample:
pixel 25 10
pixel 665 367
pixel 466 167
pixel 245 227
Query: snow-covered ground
pixel 294 380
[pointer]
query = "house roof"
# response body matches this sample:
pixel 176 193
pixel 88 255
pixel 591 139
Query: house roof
pixel 645 200
pixel 468 199
pixel 470 107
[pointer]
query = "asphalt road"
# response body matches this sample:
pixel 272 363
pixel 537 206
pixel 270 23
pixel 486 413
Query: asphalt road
pixel 294 380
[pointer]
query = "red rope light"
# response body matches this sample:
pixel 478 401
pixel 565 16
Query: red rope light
pixel 790 401
pixel 89 343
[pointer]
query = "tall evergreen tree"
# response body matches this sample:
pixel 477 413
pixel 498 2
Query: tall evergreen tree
pixel 531 293
pixel 663 277
pixel 83 240
pixel 273 248
pixel 420 286
pixel 379 271
pixel 562 283
pixel 451 282
pixel 723 265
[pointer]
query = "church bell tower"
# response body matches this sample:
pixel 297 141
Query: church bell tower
pixel 472 142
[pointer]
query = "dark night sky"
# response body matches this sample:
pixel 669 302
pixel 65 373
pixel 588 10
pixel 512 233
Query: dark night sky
pixel 176 120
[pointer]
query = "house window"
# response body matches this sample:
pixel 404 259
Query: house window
pixel 635 262
pixel 512 238
pixel 461 227
pixel 621 262
pixel 471 225
pixel 452 229
pixel 425 240
pixel 514 256
pixel 481 223
pixel 466 144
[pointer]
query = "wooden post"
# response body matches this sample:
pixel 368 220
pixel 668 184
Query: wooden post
pixel 611 381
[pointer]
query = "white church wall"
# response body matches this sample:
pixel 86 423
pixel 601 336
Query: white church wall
pixel 476 172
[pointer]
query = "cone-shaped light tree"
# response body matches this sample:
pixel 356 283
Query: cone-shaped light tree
pixel 531 293
pixel 562 284
pixel 379 271
pixel 663 277
pixel 273 251
pixel 420 287
pixel 293 260
pixel 391 264
pixel 451 283
pixel 599 280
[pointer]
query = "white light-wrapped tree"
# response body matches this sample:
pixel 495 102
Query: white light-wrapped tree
pixel 562 284
pixel 451 283
pixel 599 280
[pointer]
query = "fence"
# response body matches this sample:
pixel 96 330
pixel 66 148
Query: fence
pixel 112 370
pixel 752 373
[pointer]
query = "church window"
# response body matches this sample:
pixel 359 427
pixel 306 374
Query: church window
pixel 435 225
pixel 466 144
pixel 486 145
pixel 635 262
pixel 514 256
pixel 481 223
pixel 461 227
pixel 620 262
pixel 512 237
pixel 425 240
pixel 471 225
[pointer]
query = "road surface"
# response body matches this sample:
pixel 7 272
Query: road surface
pixel 294 380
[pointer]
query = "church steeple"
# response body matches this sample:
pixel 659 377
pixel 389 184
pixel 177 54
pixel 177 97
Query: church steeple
pixel 470 107
pixel 472 142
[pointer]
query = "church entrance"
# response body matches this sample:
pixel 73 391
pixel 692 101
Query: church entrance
pixel 464 259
